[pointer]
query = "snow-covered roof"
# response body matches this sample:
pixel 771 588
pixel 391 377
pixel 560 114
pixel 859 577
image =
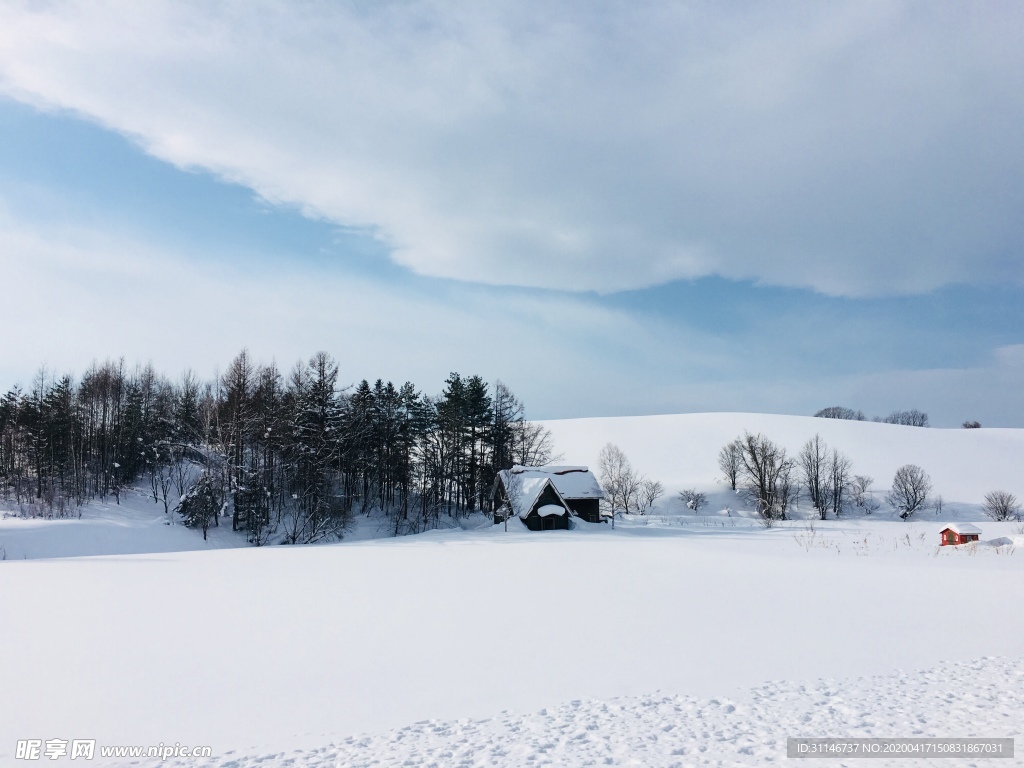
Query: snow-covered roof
pixel 524 485
pixel 522 492
pixel 551 469
pixel 963 528
pixel 572 482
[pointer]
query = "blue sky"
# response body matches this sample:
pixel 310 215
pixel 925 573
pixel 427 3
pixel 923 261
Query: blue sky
pixel 661 209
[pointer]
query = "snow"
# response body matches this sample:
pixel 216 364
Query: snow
pixel 1004 541
pixel 551 509
pixel 571 482
pixel 135 526
pixel 235 649
pixel 671 730
pixel 686 638
pixel 550 469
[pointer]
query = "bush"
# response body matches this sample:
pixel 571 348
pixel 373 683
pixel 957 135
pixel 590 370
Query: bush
pixel 692 499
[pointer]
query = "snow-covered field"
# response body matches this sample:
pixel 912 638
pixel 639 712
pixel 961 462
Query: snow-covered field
pixel 135 526
pixel 653 644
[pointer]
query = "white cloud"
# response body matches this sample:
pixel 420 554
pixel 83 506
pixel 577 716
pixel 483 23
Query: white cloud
pixel 74 296
pixel 77 296
pixel 854 149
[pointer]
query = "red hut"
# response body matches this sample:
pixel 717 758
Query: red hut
pixel 959 533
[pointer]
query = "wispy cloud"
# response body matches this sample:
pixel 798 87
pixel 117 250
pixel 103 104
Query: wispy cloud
pixel 854 149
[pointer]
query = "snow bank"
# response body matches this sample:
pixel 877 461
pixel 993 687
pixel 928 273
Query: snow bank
pixel 1003 541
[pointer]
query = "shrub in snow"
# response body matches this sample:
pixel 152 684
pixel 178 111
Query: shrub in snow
pixel 693 500
pixel 861 495
pixel 200 504
pixel 650 492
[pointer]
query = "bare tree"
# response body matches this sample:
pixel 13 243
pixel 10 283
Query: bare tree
pixel 910 489
pixel 767 476
pixel 692 499
pixel 619 481
pixel 839 481
pixel 862 496
pixel 729 462
pixel 813 462
pixel 165 482
pixel 971 425
pixel 512 484
pixel 650 491
pixel 1000 505
pixel 787 489
pixel 183 472
pixel 533 445
pixel 154 480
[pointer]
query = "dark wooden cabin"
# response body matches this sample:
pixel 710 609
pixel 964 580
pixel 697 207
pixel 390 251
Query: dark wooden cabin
pixel 586 509
pixel 530 493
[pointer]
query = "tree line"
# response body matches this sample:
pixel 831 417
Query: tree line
pixel 773 482
pixel 911 418
pixel 286 457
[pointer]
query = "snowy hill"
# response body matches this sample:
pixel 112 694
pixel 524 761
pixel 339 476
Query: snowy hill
pixel 681 450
